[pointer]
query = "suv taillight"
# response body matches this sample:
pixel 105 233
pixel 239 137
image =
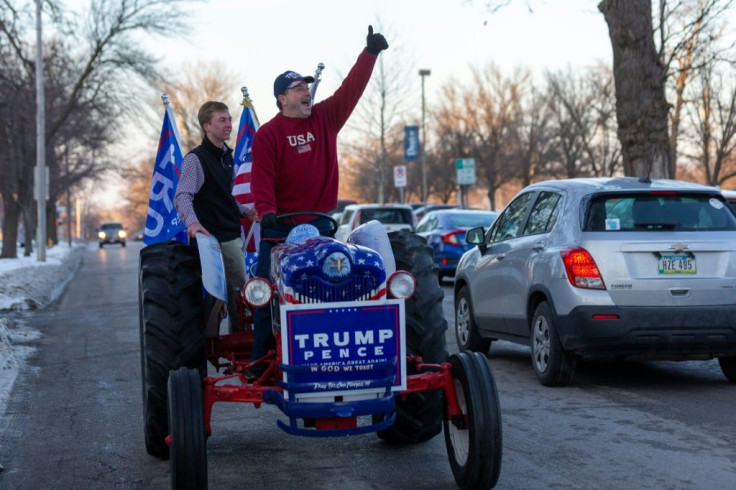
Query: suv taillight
pixel 581 269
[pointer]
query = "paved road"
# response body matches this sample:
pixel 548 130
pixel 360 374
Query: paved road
pixel 74 419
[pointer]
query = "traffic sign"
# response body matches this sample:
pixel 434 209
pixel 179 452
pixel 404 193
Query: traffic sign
pixel 400 176
pixel 465 169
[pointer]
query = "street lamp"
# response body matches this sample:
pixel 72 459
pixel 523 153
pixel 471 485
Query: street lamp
pixel 423 73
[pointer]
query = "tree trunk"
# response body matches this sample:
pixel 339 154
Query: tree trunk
pixel 10 227
pixel 641 106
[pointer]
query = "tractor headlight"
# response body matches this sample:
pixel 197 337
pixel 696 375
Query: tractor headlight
pixel 401 285
pixel 102 235
pixel 122 234
pixel 257 292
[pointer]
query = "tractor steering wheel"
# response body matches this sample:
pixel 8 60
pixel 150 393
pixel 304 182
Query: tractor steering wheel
pixel 333 222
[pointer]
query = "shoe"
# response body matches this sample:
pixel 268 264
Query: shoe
pixel 255 372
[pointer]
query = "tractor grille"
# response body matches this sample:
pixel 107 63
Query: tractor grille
pixel 357 288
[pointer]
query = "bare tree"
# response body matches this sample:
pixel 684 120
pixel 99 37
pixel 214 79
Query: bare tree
pixel 690 35
pixel 93 70
pixel 533 139
pixel 382 110
pixel 714 127
pixel 137 178
pixel 362 164
pixel 478 122
pixel 583 109
pixel 454 137
pixel 190 87
pixel 641 106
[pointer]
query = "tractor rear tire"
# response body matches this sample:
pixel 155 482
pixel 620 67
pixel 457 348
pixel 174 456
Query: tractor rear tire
pixel 419 415
pixel 171 330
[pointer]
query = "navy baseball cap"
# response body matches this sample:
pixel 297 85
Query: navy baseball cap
pixel 288 80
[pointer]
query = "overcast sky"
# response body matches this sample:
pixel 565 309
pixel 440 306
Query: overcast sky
pixel 258 39
pixel 261 38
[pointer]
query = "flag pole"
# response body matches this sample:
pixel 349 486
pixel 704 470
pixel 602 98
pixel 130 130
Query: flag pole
pixel 167 108
pixel 247 104
pixel 317 79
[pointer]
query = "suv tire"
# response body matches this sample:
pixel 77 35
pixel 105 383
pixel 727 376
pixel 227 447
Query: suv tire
pixel 171 330
pixel 466 331
pixel 553 365
pixel 419 415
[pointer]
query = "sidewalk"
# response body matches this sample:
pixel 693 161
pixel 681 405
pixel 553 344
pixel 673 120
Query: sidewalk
pixel 26 284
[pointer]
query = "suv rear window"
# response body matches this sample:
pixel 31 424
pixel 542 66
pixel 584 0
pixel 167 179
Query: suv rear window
pixel 387 215
pixel 658 211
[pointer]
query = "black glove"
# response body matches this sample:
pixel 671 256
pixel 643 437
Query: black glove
pixel 268 221
pixel 375 43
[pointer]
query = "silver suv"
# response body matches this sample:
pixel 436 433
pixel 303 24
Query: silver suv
pixel 620 267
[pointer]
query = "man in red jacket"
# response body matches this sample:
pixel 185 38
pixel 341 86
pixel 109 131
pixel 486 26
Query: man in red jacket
pixel 295 162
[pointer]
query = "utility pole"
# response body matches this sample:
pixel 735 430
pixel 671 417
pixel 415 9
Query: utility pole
pixel 78 216
pixel 41 176
pixel 68 201
pixel 424 73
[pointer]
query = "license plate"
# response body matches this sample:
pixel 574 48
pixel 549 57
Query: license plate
pixel 677 264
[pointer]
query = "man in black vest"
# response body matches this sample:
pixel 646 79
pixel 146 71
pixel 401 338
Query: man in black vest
pixel 205 201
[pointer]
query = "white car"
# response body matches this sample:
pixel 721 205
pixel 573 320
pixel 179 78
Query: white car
pixel 393 217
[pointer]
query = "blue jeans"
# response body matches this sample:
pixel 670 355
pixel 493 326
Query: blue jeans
pixel 263 339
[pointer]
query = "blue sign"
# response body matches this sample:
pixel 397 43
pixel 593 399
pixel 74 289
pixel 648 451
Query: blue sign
pixel 411 143
pixel 344 346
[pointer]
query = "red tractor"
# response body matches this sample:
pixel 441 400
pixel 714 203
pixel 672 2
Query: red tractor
pixel 360 347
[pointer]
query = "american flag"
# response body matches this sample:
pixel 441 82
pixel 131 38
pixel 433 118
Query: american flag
pixel 243 166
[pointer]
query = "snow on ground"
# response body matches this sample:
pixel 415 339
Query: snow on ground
pixel 26 283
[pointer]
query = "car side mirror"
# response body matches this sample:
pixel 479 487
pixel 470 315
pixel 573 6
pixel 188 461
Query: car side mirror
pixel 476 236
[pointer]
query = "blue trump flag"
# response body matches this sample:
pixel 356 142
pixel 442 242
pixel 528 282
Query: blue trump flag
pixel 163 223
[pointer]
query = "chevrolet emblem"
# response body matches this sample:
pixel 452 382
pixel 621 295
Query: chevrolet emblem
pixel 679 247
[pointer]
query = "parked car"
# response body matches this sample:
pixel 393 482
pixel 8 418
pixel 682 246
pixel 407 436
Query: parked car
pixel 617 267
pixel 341 203
pixel 392 216
pixel 445 230
pixel 420 211
pixel 111 232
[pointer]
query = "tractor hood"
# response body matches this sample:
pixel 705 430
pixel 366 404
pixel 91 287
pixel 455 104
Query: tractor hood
pixel 322 269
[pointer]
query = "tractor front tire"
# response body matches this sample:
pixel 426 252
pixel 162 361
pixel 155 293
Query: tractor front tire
pixel 188 462
pixel 171 330
pixel 419 415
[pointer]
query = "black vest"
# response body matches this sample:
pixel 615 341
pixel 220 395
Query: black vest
pixel 214 204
